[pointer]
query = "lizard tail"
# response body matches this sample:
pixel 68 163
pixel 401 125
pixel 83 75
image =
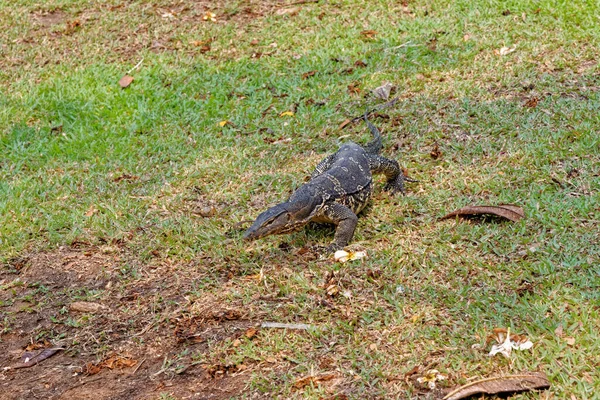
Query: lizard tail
pixel 375 146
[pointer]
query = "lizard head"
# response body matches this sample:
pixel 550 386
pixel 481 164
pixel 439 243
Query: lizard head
pixel 282 218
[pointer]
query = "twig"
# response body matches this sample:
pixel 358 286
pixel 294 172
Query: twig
pixel 138 367
pixel 136 67
pixel 285 326
pixel 407 44
pixel 300 2
pixel 378 108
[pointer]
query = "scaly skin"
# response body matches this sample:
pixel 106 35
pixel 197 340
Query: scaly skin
pixel 340 187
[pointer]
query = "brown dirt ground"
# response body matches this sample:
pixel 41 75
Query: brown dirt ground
pixel 117 351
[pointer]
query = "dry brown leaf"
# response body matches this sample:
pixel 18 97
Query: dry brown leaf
pixel 354 88
pixel 251 332
pixel 91 211
pixel 291 11
pixel 125 81
pixel 369 34
pixel 343 124
pixel 559 331
pixel 508 211
pixel 308 74
pixel 29 359
pixel 501 384
pixel 532 103
pixel 308 380
pixel 570 341
pixel 435 152
pixel 383 91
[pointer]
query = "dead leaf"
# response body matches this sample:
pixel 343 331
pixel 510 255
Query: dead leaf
pixel 308 74
pixel 114 361
pixel 435 152
pixel 354 88
pixel 91 211
pixel 251 332
pixel 570 341
pixel 312 380
pixel 360 63
pixel 286 114
pixel 291 11
pixel 125 81
pixel 559 331
pixel 29 359
pixel 86 307
pixel 532 103
pixel 505 50
pixel 343 124
pixel 225 122
pixel 369 34
pixel 383 91
pixel 503 384
pixel 508 211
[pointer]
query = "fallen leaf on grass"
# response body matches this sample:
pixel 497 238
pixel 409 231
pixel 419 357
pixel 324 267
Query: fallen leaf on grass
pixel 312 380
pixel 288 11
pixel 532 103
pixel 369 34
pixel 91 211
pixel 225 122
pixel 251 332
pixel 125 81
pixel 31 358
pixel 286 114
pixel 344 256
pixel 354 88
pixel 508 211
pixel 435 152
pixel 86 307
pixel 570 341
pixel 343 124
pixel 507 342
pixel 505 50
pixel 431 377
pixel 383 91
pixel 502 384
pixel 308 74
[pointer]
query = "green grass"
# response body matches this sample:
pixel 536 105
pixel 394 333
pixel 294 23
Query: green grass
pixel 86 161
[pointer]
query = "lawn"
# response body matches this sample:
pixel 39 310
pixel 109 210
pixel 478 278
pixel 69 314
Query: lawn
pixel 122 210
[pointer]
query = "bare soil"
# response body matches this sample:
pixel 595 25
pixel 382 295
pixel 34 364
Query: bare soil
pixel 120 348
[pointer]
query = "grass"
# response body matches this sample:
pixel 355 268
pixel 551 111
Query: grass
pixel 122 173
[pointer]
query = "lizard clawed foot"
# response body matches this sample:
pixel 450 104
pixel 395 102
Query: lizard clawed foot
pixel 326 250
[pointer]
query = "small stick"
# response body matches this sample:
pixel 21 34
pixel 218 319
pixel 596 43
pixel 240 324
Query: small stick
pixel 136 67
pixel 285 326
pixel 138 367
pixel 378 108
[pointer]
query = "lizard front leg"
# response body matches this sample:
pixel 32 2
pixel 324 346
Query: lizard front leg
pixel 346 221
